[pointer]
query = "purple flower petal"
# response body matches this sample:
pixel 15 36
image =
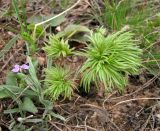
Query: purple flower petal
pixel 16 69
pixel 24 66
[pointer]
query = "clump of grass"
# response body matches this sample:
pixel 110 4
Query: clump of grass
pixel 59 81
pixel 57 48
pixel 109 59
pixel 115 13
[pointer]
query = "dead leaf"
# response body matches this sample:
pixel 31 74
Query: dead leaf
pixel 41 60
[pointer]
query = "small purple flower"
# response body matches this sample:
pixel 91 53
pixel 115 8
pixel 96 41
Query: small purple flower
pixel 24 66
pixel 17 68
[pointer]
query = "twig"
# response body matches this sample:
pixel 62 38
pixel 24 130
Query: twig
pixel 10 58
pixel 76 100
pixel 102 112
pixel 82 126
pixel 90 105
pixel 55 126
pixel 139 89
pixel 107 99
pixel 114 125
pixel 6 63
pixel 153 122
pixel 135 99
pixel 71 116
pixel 45 6
pixel 63 125
pixel 149 117
pixel 43 22
pixel 85 123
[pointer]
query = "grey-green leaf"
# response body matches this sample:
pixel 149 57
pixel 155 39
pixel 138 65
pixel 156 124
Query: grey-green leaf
pixel 33 120
pixel 10 90
pixel 29 106
pixel 71 30
pixel 11 79
pixel 58 116
pixel 55 22
pixel 3 93
pixel 15 110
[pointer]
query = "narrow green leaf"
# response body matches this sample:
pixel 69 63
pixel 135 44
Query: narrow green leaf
pixel 15 110
pixel 32 72
pixel 58 116
pixel 8 46
pixel 33 120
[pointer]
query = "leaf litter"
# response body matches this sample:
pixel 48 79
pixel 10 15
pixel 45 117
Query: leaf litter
pixel 90 112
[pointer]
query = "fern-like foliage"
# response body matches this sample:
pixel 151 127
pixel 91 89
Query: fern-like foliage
pixel 109 59
pixel 57 48
pixel 59 81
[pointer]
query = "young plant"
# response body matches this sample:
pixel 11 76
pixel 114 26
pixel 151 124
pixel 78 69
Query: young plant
pixel 26 91
pixel 115 13
pixel 57 48
pixel 22 19
pixel 59 81
pixel 17 10
pixel 109 59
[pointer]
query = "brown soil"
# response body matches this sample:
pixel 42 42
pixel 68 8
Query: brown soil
pixel 131 110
